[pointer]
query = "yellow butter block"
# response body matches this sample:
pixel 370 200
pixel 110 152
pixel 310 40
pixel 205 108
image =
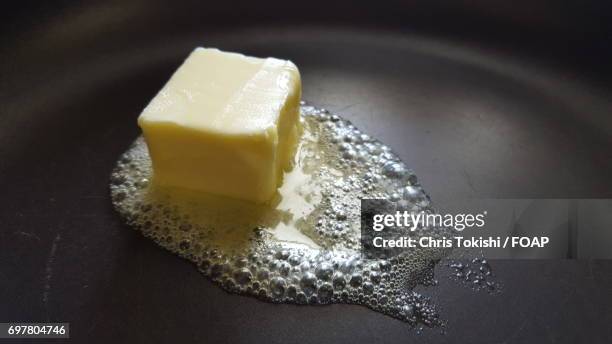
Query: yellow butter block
pixel 225 124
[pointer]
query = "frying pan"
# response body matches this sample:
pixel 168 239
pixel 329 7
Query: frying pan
pixel 481 98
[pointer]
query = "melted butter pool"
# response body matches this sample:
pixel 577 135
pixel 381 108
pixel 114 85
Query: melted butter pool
pixel 304 247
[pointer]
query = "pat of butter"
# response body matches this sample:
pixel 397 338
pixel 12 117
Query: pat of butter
pixel 226 124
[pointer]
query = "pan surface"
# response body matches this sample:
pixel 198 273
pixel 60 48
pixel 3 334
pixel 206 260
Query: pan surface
pixel 472 120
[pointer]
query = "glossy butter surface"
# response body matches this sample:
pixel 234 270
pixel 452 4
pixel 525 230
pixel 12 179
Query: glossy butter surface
pixel 226 124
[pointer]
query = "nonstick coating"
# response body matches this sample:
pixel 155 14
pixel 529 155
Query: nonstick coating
pixel 473 119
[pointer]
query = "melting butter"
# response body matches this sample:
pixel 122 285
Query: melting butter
pixel 304 246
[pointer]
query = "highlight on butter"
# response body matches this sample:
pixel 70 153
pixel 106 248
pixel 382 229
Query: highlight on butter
pixel 225 124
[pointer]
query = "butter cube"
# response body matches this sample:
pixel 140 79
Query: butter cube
pixel 225 124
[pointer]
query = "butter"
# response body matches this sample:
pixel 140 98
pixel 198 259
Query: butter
pixel 225 124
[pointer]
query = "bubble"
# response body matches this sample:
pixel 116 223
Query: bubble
pixel 339 282
pixel 356 280
pixel 368 287
pixel 278 286
pixel 394 197
pixel 412 193
pixel 294 259
pixel 325 293
pixel 408 310
pixel 324 271
pixel 216 270
pixel 243 276
pixel 305 266
pixel 283 254
pixel 292 292
pixel 284 268
pixel 385 266
pixel 394 169
pixel 308 283
pixel 375 277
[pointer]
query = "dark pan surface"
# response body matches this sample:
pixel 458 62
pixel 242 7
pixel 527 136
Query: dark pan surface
pixel 472 118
